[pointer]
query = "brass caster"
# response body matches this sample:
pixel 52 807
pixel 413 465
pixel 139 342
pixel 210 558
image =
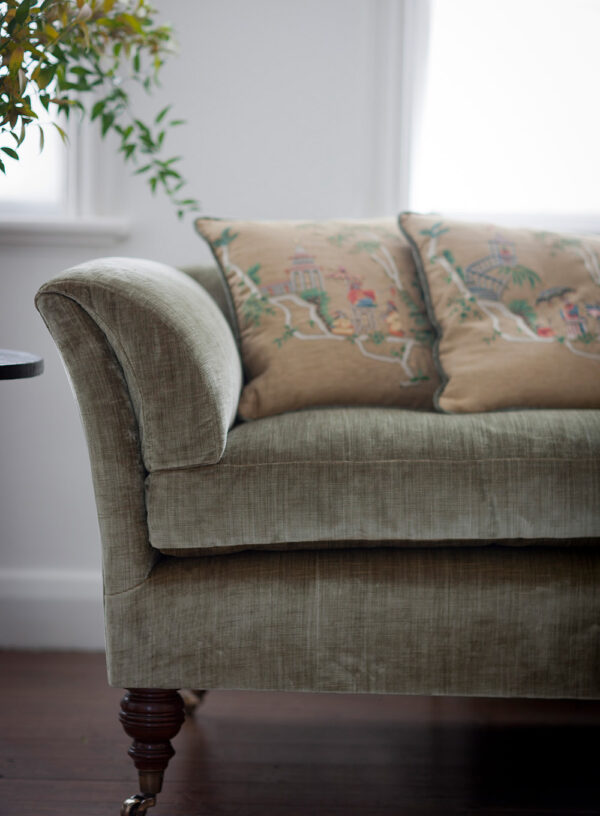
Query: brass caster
pixel 191 699
pixel 137 804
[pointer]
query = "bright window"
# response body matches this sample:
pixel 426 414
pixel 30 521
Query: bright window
pixel 511 119
pixel 36 184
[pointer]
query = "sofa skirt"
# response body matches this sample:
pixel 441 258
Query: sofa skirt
pixel 488 621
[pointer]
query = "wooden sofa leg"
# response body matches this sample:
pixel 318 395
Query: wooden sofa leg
pixel 152 717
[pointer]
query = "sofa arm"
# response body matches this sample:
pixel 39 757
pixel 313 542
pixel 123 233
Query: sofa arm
pixel 157 375
pixel 175 348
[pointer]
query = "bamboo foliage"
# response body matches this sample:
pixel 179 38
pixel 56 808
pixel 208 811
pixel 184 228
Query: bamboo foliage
pixel 73 55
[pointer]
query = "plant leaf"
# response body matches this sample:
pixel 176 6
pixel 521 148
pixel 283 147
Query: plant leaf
pixel 132 22
pixel 46 75
pixel 61 132
pixel 107 120
pixel 51 32
pixel 16 59
pixel 97 109
pixel 22 134
pixel 19 17
pixel 162 114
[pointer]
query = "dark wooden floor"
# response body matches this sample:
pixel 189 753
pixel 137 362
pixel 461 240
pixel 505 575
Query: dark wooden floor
pixel 62 752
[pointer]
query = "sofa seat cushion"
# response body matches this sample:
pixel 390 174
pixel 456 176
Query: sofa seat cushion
pixel 385 475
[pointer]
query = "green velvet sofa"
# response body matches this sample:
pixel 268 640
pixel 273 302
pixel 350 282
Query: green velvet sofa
pixel 338 549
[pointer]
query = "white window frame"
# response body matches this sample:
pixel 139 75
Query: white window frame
pixel 399 56
pixel 91 184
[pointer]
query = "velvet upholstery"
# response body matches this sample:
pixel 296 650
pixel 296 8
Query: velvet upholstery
pixel 175 348
pixel 157 376
pixel 385 474
pixel 485 621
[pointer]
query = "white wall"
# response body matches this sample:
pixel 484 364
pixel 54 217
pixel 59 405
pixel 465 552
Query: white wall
pixel 284 102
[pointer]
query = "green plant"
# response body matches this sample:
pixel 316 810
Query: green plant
pixel 64 51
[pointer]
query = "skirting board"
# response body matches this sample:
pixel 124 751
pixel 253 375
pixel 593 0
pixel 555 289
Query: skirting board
pixel 51 609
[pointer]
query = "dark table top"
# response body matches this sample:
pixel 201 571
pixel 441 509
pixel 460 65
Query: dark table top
pixel 14 365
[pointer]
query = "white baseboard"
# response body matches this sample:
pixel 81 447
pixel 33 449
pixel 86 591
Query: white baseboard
pixel 51 609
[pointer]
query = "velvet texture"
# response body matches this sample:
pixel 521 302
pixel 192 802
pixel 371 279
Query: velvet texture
pixel 381 474
pixel 127 369
pixel 472 621
pixel 176 351
pixel 113 441
pixel 157 377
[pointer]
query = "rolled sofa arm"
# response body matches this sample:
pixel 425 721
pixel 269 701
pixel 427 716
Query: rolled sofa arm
pixel 157 376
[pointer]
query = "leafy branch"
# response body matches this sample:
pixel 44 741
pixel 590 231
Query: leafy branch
pixel 60 51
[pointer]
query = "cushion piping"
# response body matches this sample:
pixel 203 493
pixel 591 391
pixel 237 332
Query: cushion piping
pixel 236 326
pixel 444 378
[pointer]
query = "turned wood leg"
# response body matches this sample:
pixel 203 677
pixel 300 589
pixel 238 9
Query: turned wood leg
pixel 152 717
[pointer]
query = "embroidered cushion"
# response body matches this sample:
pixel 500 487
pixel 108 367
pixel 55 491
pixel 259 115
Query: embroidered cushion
pixel 517 314
pixel 329 313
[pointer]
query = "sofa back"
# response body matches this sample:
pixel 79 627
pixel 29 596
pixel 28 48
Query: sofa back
pixel 211 279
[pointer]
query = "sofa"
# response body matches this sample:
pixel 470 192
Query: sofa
pixel 339 548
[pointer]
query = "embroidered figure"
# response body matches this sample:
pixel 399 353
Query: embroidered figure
pixel 363 301
pixel 342 324
pixel 549 316
pixel 393 321
pixel 575 323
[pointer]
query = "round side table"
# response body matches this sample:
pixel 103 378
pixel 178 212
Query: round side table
pixel 16 365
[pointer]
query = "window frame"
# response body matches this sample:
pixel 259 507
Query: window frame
pixel 90 184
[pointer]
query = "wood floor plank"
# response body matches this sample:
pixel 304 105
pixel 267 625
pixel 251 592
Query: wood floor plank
pixel 63 753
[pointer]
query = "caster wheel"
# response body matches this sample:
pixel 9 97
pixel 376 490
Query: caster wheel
pixel 191 699
pixel 137 804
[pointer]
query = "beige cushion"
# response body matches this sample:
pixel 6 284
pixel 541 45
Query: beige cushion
pixel 329 313
pixel 517 312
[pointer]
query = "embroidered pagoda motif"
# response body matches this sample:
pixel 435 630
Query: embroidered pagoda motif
pixel 478 275
pixel 514 299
